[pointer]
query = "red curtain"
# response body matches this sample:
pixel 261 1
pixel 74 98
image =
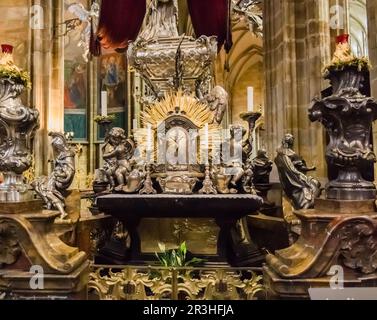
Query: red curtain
pixel 211 18
pixel 120 22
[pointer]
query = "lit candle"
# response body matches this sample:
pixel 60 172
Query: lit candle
pixel 206 143
pixel 149 142
pixel 104 103
pixel 206 136
pixel 250 99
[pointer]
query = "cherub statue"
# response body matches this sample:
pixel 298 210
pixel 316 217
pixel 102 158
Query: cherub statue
pixel 230 173
pixel 51 189
pixel 118 152
pixel 248 176
pixel 217 100
pixel 299 188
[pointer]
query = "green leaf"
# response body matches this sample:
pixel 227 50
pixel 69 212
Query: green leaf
pixel 162 247
pixel 194 262
pixel 183 248
pixel 179 262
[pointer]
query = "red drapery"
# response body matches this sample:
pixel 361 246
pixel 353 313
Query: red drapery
pixel 120 22
pixel 211 18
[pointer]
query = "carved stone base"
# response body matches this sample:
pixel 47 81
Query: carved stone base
pixel 350 191
pixel 28 240
pixel 20 207
pixel 13 189
pixel 335 233
pixel 93 232
pixel 56 287
pixel 280 288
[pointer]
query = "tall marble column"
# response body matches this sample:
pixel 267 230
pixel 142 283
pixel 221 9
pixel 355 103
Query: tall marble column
pixel 297 45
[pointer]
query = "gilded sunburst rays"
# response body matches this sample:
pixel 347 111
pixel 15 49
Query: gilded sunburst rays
pixel 186 106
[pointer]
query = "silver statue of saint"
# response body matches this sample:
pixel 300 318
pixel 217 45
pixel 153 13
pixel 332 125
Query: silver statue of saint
pixel 162 20
pixel 52 188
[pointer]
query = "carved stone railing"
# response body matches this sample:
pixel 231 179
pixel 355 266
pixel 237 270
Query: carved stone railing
pixel 157 283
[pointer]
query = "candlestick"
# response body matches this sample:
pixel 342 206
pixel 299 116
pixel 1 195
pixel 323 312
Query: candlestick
pixel 104 103
pixel 250 99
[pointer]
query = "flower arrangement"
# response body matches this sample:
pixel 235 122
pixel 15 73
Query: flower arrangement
pixel 100 119
pixel 343 58
pixel 176 257
pixel 9 70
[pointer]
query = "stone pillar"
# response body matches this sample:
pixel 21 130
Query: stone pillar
pixel 297 46
pixel 372 43
pixel 47 70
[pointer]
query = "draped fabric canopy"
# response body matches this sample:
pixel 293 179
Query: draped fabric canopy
pixel 121 21
pixel 211 18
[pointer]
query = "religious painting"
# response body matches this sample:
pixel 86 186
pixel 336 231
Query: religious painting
pixel 113 73
pixel 75 75
pixel 75 86
pixel 113 79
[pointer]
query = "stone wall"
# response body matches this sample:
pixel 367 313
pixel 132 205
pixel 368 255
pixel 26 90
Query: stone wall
pixel 14 29
pixel 297 46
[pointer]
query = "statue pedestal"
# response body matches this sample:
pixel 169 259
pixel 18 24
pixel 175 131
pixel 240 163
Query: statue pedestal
pixel 341 233
pixel 35 263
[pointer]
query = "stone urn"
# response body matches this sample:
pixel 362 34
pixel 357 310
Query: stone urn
pixel 347 116
pixel 18 125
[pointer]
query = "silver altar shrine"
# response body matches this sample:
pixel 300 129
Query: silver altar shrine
pixel 181 162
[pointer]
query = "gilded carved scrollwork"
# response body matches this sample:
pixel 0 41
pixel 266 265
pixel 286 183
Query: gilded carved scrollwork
pixel 359 246
pixel 28 232
pixel 191 284
pixel 348 241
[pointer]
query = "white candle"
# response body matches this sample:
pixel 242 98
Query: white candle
pixel 206 144
pixel 134 125
pixel 206 136
pixel 104 103
pixel 149 142
pixel 250 99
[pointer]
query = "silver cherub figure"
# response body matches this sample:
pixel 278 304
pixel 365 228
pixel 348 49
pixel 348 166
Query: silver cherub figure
pixel 52 188
pixel 120 168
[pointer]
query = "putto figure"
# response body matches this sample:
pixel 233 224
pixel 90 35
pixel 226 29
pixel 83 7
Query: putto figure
pixel 119 168
pixel 118 151
pixel 229 174
pixel 52 188
pixel 217 100
pixel 299 188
